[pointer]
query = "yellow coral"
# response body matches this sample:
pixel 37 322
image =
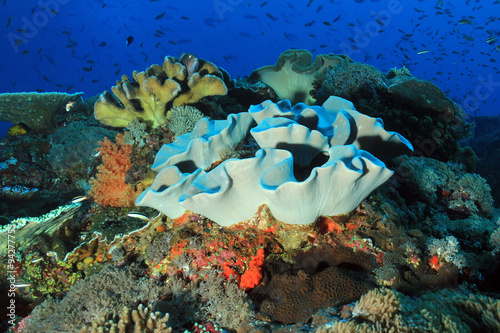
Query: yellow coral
pixel 151 93
pixel 16 130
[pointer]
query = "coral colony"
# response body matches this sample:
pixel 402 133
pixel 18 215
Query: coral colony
pixel 281 201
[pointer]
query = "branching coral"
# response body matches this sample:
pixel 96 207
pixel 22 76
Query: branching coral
pixel 141 320
pixel 384 310
pixel 152 93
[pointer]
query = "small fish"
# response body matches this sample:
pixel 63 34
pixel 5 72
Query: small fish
pixel 54 12
pixel 36 260
pixel 465 21
pixel 138 215
pixel 23 31
pixel 185 18
pixel 308 24
pixel 130 39
pixel 22 285
pixel 103 44
pixel 9 21
pixel 26 52
pixel 18 41
pixel 423 52
pixel 263 4
pixel 87 69
pixel 491 39
pixel 160 16
pixel 271 17
pixel 81 197
pixel 68 107
pixel 45 78
pixel 250 17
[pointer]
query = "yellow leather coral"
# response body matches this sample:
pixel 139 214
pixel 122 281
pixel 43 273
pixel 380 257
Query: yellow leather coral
pixel 152 93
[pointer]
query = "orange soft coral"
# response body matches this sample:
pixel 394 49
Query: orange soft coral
pixel 109 187
pixel 253 274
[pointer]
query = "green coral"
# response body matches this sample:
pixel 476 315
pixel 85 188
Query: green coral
pixel 183 119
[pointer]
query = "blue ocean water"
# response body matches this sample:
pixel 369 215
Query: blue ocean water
pixel 70 46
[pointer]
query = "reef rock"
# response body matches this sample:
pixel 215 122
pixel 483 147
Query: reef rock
pixel 38 111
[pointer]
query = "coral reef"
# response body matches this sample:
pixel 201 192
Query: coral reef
pixel 486 144
pixel 73 149
pixel 431 232
pixel 234 189
pixel 293 74
pixel 384 310
pixel 38 111
pixel 183 118
pixel 109 187
pixel 93 298
pixel 417 108
pixel 142 320
pixel 348 79
pixel 152 93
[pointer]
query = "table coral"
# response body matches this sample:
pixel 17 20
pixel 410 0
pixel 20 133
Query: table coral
pixel 150 94
pixel 36 110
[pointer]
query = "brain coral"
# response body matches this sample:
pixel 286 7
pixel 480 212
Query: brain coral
pixel 312 161
pixel 294 298
pixel 152 93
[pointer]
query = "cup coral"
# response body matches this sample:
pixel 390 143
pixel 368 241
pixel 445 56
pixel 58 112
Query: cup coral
pixel 312 161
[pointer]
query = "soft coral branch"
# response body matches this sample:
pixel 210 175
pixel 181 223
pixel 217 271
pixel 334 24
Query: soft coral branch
pixel 109 187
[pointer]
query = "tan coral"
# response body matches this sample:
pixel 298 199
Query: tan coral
pixel 293 74
pixel 142 320
pixel 38 111
pixel 151 93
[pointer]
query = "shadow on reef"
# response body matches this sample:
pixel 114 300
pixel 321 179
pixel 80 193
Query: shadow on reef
pixel 486 144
